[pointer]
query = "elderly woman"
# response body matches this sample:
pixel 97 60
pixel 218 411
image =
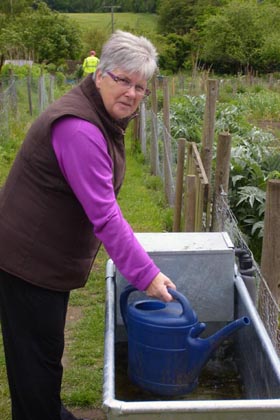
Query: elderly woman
pixel 57 206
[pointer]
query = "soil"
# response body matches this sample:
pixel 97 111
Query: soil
pixel 269 125
pixel 89 413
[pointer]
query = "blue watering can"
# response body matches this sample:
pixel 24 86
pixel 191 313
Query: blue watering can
pixel 165 354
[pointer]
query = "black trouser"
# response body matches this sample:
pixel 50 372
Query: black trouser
pixel 33 321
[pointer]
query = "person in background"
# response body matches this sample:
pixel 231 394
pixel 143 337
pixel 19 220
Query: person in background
pixel 90 63
pixel 59 203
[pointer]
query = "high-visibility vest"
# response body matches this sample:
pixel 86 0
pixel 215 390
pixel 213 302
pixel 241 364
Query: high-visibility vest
pixel 90 64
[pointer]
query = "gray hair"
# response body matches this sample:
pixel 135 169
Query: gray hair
pixel 130 53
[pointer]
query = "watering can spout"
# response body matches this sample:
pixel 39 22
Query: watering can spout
pixel 216 339
pixel 206 346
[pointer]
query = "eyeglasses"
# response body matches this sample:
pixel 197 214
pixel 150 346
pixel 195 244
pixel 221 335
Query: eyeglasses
pixel 126 84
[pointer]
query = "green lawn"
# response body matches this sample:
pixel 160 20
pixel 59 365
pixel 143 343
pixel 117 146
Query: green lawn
pixel 125 21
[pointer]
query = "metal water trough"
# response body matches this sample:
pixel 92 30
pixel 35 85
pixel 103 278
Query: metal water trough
pixel 203 267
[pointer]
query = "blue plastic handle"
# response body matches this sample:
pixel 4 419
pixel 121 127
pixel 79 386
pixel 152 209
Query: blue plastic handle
pixel 187 310
pixel 186 306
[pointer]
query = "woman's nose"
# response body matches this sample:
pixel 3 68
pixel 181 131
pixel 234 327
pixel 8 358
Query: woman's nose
pixel 131 91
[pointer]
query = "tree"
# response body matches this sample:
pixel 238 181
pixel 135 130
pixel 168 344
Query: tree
pixel 182 16
pixel 176 16
pixel 12 7
pixel 174 52
pixel 137 6
pixel 82 6
pixel 87 6
pixel 234 39
pixel 270 53
pixel 41 35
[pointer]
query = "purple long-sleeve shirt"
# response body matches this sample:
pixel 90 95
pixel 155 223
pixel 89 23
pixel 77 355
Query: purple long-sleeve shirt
pixel 82 154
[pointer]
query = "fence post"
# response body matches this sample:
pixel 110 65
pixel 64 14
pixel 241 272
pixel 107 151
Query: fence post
pixel 221 180
pixel 135 137
pixel 208 136
pixel 4 114
pixel 1 96
pixel 190 166
pixel 29 91
pixel 173 86
pixel 143 138
pixel 51 89
pixel 13 96
pixel 179 185
pixel 270 259
pixel 190 204
pixel 167 144
pixel 195 167
pixel 41 90
pixel 154 137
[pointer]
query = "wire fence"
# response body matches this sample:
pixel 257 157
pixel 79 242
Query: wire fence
pixel 167 150
pixel 165 159
pixel 24 98
pixel 257 286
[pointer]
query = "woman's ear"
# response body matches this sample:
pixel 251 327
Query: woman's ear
pixel 98 78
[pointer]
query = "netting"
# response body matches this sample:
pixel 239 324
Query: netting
pixel 21 98
pixel 167 149
pixel 265 302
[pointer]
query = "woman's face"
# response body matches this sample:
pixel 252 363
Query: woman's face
pixel 121 92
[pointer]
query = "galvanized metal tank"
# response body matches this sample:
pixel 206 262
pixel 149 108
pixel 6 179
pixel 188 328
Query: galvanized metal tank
pixel 203 267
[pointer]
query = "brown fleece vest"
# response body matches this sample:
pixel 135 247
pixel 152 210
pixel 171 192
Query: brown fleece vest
pixel 45 235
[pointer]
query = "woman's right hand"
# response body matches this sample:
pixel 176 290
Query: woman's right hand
pixel 158 287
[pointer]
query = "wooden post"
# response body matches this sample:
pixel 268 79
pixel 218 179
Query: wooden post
pixel 190 204
pixel 41 90
pixel 4 114
pixel 189 158
pixel 270 259
pixel 135 137
pixel 182 83
pixel 202 187
pixel 209 126
pixel 221 180
pixel 179 185
pixel 195 167
pixel 13 94
pixel 154 139
pixel 1 96
pixel 29 91
pixel 173 86
pixel 51 88
pixel 208 136
pixel 143 137
pixel 167 144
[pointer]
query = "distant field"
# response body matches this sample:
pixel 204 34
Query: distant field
pixel 125 21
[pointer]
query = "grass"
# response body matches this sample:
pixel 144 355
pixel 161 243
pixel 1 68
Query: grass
pixel 125 21
pixel 95 28
pixel 143 205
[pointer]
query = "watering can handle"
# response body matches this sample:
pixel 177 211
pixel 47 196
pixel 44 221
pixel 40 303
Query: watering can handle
pixel 186 306
pixel 123 302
